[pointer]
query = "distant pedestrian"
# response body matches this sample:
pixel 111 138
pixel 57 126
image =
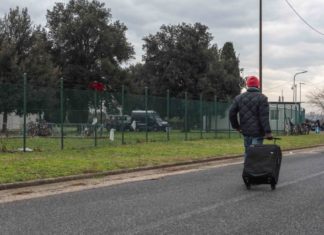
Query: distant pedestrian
pixel 133 125
pixel 292 127
pixel 317 127
pixel 253 109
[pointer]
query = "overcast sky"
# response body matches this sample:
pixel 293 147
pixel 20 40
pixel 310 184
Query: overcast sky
pixel 289 45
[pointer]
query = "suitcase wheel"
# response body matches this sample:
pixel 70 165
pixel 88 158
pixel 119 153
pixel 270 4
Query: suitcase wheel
pixel 272 182
pixel 273 186
pixel 247 183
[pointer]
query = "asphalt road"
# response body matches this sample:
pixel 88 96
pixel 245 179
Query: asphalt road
pixel 212 201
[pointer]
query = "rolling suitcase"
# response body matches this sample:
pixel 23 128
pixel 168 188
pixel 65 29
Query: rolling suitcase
pixel 262 165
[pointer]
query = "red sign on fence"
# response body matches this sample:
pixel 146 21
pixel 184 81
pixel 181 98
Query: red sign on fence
pixel 98 86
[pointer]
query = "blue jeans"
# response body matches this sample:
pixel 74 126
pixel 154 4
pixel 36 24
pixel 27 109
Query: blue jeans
pixel 248 140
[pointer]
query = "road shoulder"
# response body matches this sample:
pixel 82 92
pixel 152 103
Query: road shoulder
pixel 36 190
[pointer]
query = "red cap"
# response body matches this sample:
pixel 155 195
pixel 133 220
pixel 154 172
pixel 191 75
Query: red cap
pixel 252 81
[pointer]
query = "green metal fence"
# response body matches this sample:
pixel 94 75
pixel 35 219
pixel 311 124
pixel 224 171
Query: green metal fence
pixel 41 117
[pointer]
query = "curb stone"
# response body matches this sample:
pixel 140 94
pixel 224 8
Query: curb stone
pixel 116 172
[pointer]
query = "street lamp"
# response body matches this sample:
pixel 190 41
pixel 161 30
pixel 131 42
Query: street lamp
pixel 294 86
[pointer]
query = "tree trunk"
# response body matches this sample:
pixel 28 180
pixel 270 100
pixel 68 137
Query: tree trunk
pixel 4 123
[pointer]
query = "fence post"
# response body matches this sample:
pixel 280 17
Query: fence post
pixel 96 120
pixel 285 119
pixel 277 119
pixel 215 114
pixel 186 113
pixel 296 121
pixel 100 100
pixel 25 111
pixel 299 117
pixel 291 113
pixel 146 118
pixel 122 112
pixel 62 112
pixel 168 114
pixel 201 116
pixel 229 128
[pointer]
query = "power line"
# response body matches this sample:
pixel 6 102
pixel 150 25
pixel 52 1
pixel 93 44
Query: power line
pixel 274 87
pixel 300 17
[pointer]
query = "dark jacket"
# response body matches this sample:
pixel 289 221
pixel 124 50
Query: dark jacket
pixel 253 109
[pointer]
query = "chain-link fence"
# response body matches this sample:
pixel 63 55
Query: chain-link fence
pixel 40 117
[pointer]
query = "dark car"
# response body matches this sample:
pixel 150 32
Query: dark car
pixel 117 122
pixel 154 121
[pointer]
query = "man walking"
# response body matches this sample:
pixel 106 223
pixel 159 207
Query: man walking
pixel 253 109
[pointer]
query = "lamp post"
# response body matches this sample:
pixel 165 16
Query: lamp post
pixel 294 86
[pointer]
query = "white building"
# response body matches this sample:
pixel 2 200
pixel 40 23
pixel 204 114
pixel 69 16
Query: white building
pixel 15 122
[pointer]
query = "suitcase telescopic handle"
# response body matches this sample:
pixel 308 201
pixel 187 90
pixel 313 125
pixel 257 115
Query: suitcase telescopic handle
pixel 274 139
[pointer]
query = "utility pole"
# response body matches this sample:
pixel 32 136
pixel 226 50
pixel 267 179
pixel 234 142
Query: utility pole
pixel 260 45
pixel 282 97
pixel 300 99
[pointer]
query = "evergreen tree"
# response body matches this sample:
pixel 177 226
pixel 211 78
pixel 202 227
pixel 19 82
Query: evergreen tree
pixel 181 58
pixel 15 45
pixel 88 47
pixel 232 80
pixel 177 59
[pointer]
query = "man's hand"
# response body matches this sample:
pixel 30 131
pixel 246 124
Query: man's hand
pixel 269 136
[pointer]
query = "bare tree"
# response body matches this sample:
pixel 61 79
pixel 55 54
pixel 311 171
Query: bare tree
pixel 317 98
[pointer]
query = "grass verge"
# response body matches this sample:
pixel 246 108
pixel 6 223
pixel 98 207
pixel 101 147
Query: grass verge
pixel 18 166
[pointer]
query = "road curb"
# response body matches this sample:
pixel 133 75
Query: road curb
pixel 116 172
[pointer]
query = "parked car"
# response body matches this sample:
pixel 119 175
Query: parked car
pixel 154 121
pixel 117 121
